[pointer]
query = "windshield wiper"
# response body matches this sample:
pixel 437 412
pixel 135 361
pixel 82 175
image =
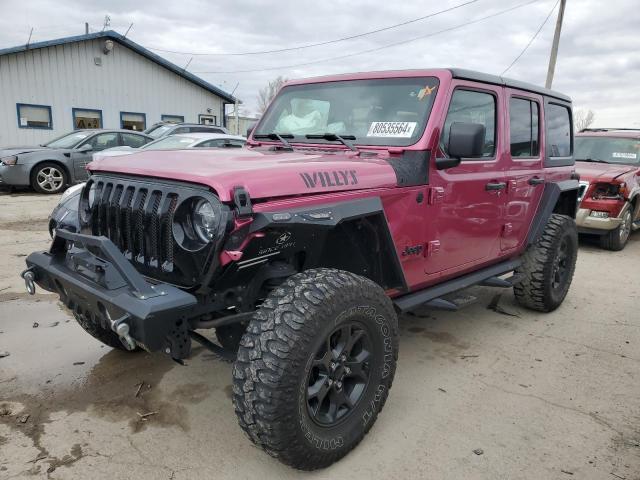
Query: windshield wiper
pixel 595 160
pixel 343 139
pixel 277 136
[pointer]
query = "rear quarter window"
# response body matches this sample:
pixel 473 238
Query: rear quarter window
pixel 558 130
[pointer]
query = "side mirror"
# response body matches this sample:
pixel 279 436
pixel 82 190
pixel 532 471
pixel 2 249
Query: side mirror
pixel 466 140
pixel 84 148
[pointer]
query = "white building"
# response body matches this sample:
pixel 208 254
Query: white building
pixel 97 80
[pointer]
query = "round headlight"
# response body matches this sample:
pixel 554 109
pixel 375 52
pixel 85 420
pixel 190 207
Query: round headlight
pixel 204 220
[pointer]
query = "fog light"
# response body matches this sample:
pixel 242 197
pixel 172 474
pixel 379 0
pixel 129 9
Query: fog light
pixel 598 214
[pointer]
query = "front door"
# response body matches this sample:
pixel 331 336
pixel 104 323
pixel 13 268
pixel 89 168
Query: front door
pixel 98 142
pixel 464 219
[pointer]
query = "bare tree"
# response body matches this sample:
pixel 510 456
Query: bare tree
pixel 266 94
pixel 582 119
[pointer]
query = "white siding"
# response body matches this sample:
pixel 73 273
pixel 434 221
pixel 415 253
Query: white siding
pixel 66 77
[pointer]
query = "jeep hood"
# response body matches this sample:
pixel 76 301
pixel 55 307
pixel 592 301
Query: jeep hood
pixel 263 173
pixel 601 172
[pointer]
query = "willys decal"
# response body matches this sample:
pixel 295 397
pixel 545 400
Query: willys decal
pixel 334 178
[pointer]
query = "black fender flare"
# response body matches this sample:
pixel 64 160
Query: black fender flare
pixel 553 194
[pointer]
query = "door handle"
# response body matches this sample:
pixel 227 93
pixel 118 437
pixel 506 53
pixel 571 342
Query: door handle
pixel 495 186
pixel 536 181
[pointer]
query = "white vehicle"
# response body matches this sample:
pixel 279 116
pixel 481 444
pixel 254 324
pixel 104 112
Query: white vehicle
pixel 181 141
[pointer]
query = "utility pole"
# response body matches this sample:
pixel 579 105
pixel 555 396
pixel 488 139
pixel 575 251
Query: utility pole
pixel 86 28
pixel 554 47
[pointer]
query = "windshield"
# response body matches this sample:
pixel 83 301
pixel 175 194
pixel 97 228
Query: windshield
pixel 391 111
pixel 171 142
pixel 160 130
pixel 625 151
pixel 69 140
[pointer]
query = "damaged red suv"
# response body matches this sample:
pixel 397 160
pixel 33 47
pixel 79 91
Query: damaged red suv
pixel 608 161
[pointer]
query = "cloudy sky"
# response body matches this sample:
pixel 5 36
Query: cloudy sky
pixel 598 63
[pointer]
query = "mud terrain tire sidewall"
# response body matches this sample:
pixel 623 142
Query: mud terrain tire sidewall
pixel 105 336
pixel 275 355
pixel 536 290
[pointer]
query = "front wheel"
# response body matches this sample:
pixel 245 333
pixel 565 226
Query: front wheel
pixel 617 238
pixel 315 367
pixel 548 265
pixel 48 177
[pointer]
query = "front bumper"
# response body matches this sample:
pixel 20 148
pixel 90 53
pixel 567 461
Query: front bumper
pixel 15 175
pixel 94 279
pixel 595 225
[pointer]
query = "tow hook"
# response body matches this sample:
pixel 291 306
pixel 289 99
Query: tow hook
pixel 122 330
pixel 29 281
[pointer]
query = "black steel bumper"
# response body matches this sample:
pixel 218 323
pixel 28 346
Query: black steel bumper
pixel 94 279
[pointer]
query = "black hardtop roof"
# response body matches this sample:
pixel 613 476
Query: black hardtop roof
pixel 464 74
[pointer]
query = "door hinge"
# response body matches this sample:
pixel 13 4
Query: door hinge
pixel 433 248
pixel 436 194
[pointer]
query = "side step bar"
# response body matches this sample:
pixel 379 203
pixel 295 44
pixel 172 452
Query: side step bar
pixel 432 295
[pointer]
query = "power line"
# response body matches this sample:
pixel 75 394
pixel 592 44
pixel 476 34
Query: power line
pixel 402 42
pixel 532 39
pixel 327 42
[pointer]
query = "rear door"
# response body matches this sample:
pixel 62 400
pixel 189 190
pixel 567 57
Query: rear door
pixel 465 214
pixel 524 170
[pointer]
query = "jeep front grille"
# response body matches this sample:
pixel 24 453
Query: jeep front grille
pixel 138 216
pixel 138 220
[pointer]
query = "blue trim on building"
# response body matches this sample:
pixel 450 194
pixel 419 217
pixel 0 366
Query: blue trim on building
pixel 164 115
pixel 144 116
pixel 48 107
pixel 76 109
pixel 116 37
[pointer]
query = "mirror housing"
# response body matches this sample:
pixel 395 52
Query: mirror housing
pixel 466 140
pixel 84 148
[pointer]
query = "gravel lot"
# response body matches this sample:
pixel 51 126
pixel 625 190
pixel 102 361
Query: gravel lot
pixel 552 396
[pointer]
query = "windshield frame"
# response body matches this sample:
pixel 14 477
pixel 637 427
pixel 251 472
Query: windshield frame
pixel 578 138
pixel 71 147
pixel 431 80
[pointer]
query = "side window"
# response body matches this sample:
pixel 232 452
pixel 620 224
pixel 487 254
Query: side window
pixel 222 142
pixel 180 130
pixel 523 126
pixel 470 106
pixel 205 130
pixel 558 122
pixel 102 141
pixel 133 141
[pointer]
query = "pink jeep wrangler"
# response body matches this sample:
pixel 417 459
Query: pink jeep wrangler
pixel 359 197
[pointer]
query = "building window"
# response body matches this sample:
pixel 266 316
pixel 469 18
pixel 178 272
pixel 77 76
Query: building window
pixel 86 118
pixel 34 116
pixel 523 125
pixel 133 121
pixel 172 118
pixel 207 119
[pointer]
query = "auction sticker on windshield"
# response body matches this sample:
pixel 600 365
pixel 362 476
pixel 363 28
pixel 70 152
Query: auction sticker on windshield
pixel 392 129
pixel 624 155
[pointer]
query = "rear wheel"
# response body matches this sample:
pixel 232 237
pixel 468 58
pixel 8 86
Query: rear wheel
pixel 48 177
pixel 315 367
pixel 548 265
pixel 617 238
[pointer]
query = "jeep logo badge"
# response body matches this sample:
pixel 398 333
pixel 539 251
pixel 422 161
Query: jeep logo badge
pixel 284 238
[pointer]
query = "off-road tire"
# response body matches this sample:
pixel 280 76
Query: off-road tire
pixel 44 165
pixel 272 372
pixel 617 238
pixel 536 289
pixel 108 337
